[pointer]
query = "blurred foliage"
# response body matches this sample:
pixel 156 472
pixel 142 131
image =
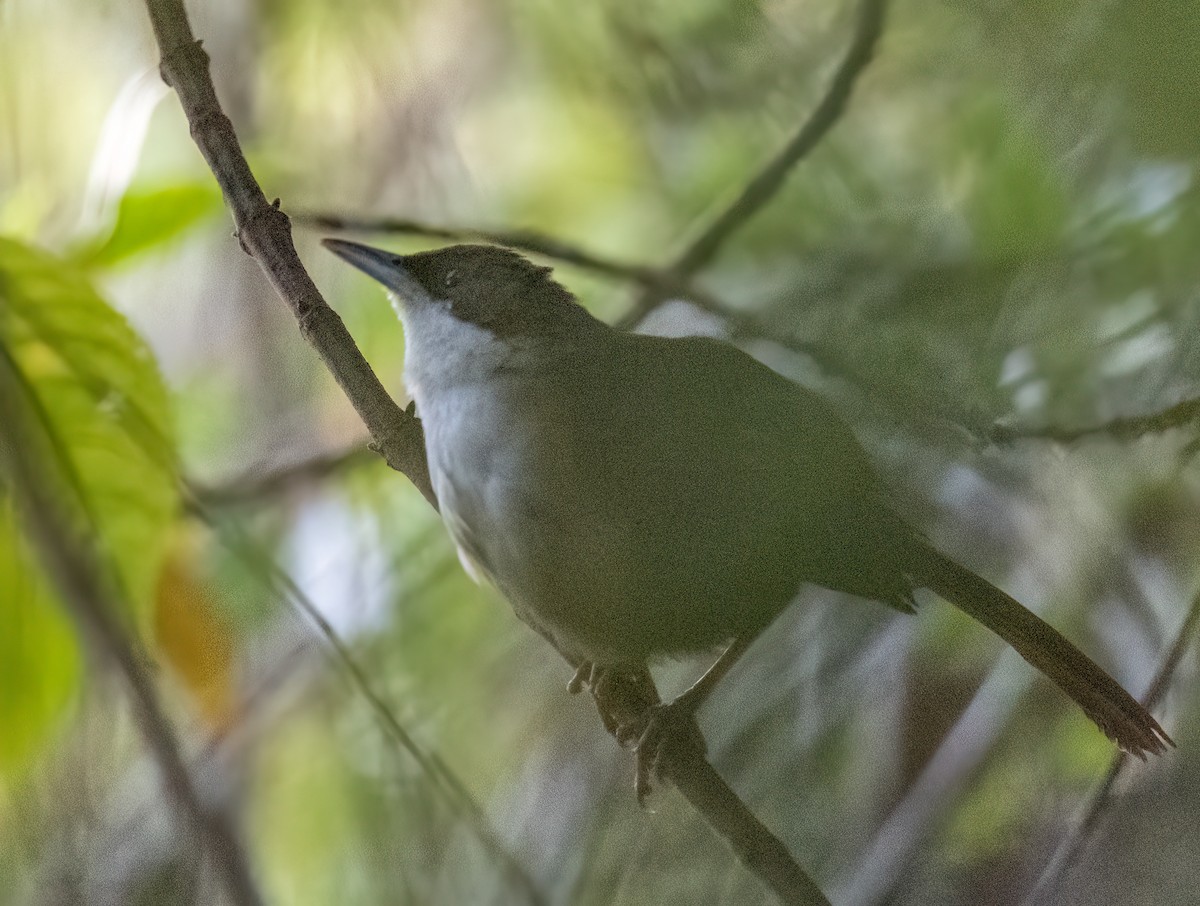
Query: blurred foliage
pixel 194 635
pixel 1002 229
pixel 97 392
pixel 151 217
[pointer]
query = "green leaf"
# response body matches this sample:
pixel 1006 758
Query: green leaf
pixel 39 658
pixel 148 218
pixel 97 391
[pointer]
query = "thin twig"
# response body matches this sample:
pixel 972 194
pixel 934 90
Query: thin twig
pixel 1072 845
pixel 1181 414
pixel 662 281
pixel 763 186
pixel 72 565
pixel 524 240
pixel 264 231
pixel 253 486
pixel 430 763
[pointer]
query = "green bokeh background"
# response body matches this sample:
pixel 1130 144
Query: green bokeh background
pixel 1001 230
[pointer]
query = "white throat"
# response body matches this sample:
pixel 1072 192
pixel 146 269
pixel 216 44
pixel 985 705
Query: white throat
pixel 444 353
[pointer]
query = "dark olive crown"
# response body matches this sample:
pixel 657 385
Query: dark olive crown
pixel 497 289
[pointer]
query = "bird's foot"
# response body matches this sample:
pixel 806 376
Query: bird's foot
pixel 665 727
pixel 591 676
pixel 587 675
pixel 653 734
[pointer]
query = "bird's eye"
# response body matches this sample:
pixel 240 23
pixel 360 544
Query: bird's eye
pixel 451 278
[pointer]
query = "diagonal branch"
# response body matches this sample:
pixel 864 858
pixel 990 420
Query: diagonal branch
pixel 71 565
pixel 1072 845
pixel 253 486
pixel 1181 414
pixel 623 700
pixel 763 186
pixel 660 280
pixel 265 233
pixel 431 764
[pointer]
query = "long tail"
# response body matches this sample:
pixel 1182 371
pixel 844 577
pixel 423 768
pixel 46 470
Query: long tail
pixel 1115 711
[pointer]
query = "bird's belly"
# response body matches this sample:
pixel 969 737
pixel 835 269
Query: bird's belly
pixel 506 512
pixel 547 564
pixel 614 566
pixel 602 586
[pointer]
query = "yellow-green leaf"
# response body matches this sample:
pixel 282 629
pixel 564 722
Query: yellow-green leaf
pixel 99 397
pixel 148 218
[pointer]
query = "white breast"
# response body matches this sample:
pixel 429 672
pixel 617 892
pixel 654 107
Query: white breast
pixel 503 432
pixel 465 382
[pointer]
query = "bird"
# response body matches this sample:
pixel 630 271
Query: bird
pixel 638 497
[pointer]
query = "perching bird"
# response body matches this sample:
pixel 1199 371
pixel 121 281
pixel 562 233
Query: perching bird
pixel 636 497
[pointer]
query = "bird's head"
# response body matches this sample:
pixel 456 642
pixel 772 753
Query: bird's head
pixel 490 287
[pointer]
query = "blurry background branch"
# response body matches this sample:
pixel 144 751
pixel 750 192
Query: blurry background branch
pixel 28 453
pixel 762 187
pixel 1180 415
pixel 523 240
pixel 1063 860
pixel 661 282
pixel 256 484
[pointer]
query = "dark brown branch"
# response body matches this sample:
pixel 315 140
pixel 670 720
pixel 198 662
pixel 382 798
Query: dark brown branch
pixel 623 700
pixel 760 851
pixel 1072 845
pixel 763 186
pixel 265 233
pixel 71 565
pixel 1180 415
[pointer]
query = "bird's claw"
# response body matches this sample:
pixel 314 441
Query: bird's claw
pixel 666 727
pixel 593 677
pixel 653 735
pixel 587 674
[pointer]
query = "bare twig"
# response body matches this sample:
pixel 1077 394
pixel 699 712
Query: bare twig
pixel 71 564
pixel 763 186
pixel 1182 414
pixel 1072 845
pixel 431 764
pixel 264 231
pixel 524 240
pixel 759 850
pixel 624 700
pixel 662 281
pixel 253 486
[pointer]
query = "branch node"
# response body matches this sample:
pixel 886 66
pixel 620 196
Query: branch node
pixel 209 119
pixel 262 218
pixel 309 315
pixel 182 56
